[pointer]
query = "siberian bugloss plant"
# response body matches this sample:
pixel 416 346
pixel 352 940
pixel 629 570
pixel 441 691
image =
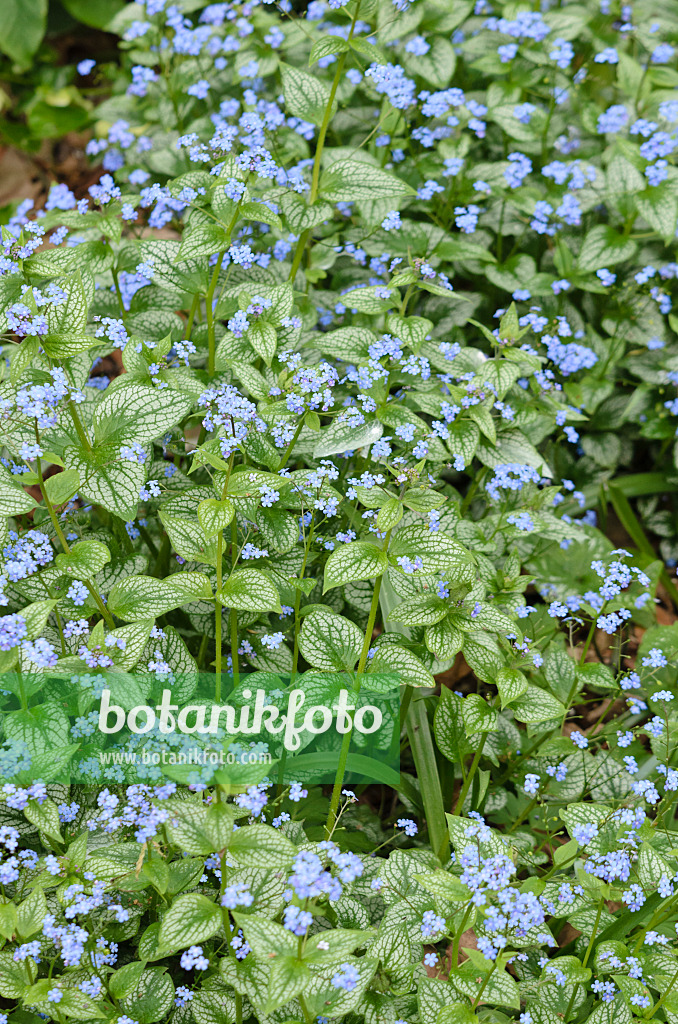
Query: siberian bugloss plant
pixel 331 382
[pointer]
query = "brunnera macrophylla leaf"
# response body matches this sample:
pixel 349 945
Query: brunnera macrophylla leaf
pixel 250 590
pixel 84 559
pixel 41 728
pixel 392 657
pixel 340 436
pixel 107 480
pixel 536 705
pixel 62 486
pixel 200 830
pixel 603 246
pixel 351 180
pixel 330 642
pixel 449 726
pixel 135 412
pixel 327 46
pixel 511 684
pixel 142 597
pixel 299 216
pixel 215 515
pixel 439 552
pixel 151 998
pixel 190 920
pixel 357 561
pixel 14 500
pixel 306 95
pixel 260 847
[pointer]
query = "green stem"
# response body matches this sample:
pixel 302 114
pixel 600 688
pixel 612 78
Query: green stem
pixel 305 1010
pixel 483 986
pixel 288 450
pixel 295 655
pixel 346 743
pixel 209 313
pixel 457 938
pixel 77 423
pixel 106 615
pixel 118 293
pixel 297 599
pixel 209 298
pixel 191 315
pixel 327 117
pixel 662 998
pixel 589 948
pixel 469 778
pixel 218 610
pixel 234 615
pixel 22 691
pixel 218 607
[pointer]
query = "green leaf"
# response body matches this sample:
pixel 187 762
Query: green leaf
pixel 422 610
pixel 137 412
pixel 371 299
pixel 258 211
pixel 353 180
pixel 31 914
pixel 45 816
pixel 22 26
pixel 330 642
pixel 448 726
pixel 300 216
pixel 96 13
pixel 651 867
pixel 14 500
pixel 463 440
pixel 36 616
pixel 261 847
pixel 559 670
pixel 306 96
pixel 393 657
pixel 203 241
pixel 437 66
pixel 191 919
pixel 439 552
pixel 413 330
pixel 215 515
pixel 15 977
pixel 359 560
pixel 536 705
pixel 456 1013
pixel 511 684
pixel 142 597
pixel 126 979
pixel 196 829
pixel 62 486
pixel 478 715
pixel 340 437
pixel 325 47
pixel 604 247
pixel 42 729
pixel 8 915
pixel 152 997
pixel 263 339
pixel 106 480
pixel 278 529
pixel 84 560
pixel 659 207
pixel 250 590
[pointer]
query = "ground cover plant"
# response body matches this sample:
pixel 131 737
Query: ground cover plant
pixel 356 369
